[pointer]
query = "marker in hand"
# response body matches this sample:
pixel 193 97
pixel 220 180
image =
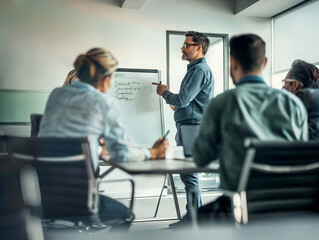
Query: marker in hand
pixel 155 83
pixel 164 137
pixel 160 87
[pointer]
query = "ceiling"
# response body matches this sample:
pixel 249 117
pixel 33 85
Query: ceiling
pixel 265 8
pixel 253 8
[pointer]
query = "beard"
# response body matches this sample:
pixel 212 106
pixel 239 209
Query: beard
pixel 184 56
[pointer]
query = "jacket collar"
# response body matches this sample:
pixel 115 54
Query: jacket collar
pixel 250 79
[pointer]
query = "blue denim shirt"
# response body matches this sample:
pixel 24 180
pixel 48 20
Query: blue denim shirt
pixel 197 88
pixel 80 110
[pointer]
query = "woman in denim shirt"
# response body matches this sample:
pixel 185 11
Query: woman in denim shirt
pixel 84 109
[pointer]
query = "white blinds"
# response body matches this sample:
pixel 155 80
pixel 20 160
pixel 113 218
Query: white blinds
pixel 296 36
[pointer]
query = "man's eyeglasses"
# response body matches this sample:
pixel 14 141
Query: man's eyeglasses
pixel 186 45
pixel 283 82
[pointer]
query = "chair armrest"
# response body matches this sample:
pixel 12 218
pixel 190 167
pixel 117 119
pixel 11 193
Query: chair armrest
pixel 123 180
pixel 238 205
pixel 108 171
pixel 227 193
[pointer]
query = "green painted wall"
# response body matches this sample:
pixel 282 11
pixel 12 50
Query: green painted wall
pixel 16 105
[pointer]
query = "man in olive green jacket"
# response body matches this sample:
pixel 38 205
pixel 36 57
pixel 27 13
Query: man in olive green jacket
pixel 252 110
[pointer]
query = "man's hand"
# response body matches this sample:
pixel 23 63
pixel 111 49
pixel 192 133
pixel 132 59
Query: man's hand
pixel 172 107
pixel 160 88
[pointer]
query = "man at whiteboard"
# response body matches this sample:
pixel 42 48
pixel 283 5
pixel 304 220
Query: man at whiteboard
pixel 195 92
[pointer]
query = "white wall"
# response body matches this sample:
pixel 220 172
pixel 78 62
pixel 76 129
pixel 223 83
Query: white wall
pixel 39 39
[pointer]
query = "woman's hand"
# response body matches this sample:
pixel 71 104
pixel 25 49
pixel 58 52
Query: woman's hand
pixel 159 149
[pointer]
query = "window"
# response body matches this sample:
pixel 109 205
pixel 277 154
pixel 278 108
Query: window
pixel 295 37
pixel 276 79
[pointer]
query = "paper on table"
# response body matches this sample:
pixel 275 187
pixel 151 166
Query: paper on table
pixel 175 152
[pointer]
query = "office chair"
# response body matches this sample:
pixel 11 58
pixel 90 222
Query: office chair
pixel 35 120
pixel 20 204
pixel 68 183
pixel 5 158
pixel 277 177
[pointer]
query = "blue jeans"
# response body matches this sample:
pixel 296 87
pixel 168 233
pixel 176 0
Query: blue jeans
pixel 190 180
pixel 192 186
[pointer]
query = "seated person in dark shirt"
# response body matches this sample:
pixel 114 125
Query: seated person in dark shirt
pixel 303 80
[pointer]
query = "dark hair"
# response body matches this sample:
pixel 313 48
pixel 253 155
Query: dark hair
pixel 306 73
pixel 248 50
pixel 199 38
pixel 94 65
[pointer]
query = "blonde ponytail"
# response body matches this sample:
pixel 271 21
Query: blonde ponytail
pixel 94 65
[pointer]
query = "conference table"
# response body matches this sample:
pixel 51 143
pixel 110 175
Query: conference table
pixel 168 167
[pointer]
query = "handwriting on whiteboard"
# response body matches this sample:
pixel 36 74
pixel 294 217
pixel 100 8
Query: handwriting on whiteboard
pixel 126 90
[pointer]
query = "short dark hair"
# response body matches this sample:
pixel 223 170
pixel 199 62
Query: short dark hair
pixel 248 50
pixel 306 73
pixel 199 38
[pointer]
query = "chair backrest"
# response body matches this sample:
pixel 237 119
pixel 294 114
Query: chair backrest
pixel 19 204
pixel 279 176
pixel 35 120
pixel 187 136
pixel 67 180
pixel 2 147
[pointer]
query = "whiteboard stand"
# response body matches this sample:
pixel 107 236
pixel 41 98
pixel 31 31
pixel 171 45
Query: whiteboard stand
pixel 171 179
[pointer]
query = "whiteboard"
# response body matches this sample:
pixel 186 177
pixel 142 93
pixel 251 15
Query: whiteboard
pixel 140 107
